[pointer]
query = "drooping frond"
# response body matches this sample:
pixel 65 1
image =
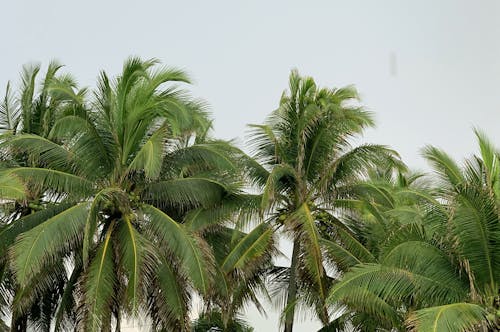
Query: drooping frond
pixel 91 141
pixel 169 298
pixel 454 317
pixel 446 168
pixel 137 259
pixel 358 162
pixel 11 187
pixel 250 248
pixel 45 152
pixel 44 243
pixel 310 238
pixel 9 233
pixel 65 316
pixel 277 181
pixel 194 257
pixel 342 258
pixel 192 191
pixel 430 284
pixel 150 156
pixel 99 286
pixel 476 227
pixel 52 180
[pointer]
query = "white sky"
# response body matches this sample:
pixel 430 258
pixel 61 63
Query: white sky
pixel 430 70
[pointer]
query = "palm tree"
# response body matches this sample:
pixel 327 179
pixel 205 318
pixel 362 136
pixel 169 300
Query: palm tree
pixel 439 271
pixel 118 173
pixel 387 208
pixel 33 110
pixel 307 165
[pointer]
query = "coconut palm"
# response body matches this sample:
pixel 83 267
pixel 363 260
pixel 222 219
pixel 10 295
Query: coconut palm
pixel 389 208
pixel 33 110
pixel 306 165
pixel 438 272
pixel 117 174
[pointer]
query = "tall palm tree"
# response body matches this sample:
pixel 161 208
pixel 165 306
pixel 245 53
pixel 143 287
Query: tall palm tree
pixel 440 271
pixel 306 166
pixel 118 173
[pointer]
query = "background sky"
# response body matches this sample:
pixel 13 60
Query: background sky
pixel 429 70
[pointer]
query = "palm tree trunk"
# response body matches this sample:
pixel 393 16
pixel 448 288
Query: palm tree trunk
pixel 292 288
pixel 118 327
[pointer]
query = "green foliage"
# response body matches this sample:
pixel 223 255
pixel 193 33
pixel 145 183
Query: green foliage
pixel 118 204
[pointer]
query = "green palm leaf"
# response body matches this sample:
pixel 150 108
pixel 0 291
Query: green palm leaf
pixel 44 243
pixel 100 280
pixel 11 187
pixel 150 156
pixel 192 191
pixel 53 180
pixel 455 317
pixel 312 245
pixel 195 258
pixel 252 246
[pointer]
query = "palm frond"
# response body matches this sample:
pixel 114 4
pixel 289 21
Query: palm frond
pixel 251 247
pixel 192 191
pixel 476 227
pixel 150 156
pixel 310 239
pixel 11 187
pixel 169 304
pixel 9 111
pixel 44 243
pixel 444 166
pixel 458 317
pixel 52 180
pixel 195 259
pixel 11 231
pixel 99 286
pixel 47 153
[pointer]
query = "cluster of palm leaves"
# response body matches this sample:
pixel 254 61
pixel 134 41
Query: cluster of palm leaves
pixel 118 205
pixel 427 250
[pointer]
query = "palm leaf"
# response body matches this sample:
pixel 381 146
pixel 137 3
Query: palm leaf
pixel 249 248
pixel 444 165
pixel 312 245
pixel 454 317
pixel 9 111
pixel 173 308
pixel 53 180
pixel 99 285
pixel 150 156
pixel 193 191
pixel 48 153
pixel 196 261
pixel 26 223
pixel 44 243
pixel 11 187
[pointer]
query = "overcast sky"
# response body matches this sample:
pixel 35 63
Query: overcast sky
pixel 430 70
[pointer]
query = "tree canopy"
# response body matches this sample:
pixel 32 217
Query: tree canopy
pixel 118 203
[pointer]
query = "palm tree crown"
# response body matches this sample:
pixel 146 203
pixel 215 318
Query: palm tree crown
pixel 307 165
pixel 116 174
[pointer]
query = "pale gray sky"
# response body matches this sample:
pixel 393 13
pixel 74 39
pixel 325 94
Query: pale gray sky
pixel 430 70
